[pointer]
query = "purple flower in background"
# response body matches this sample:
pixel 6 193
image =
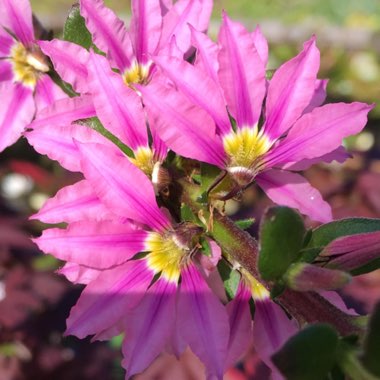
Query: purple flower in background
pixel 24 86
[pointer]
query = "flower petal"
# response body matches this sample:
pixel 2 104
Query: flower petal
pixel 145 27
pixel 198 87
pixel 185 128
pixel 74 203
pixel 319 95
pixel 118 107
pixel 291 90
pixel 16 112
pixel 17 17
pixel 202 321
pixel 320 132
pixel 69 60
pixel 291 189
pixel 261 44
pixel 108 31
pixel 46 93
pixel 118 183
pixel 97 245
pixel 79 274
pixel 241 73
pixel 6 72
pixel 149 327
pixel 108 298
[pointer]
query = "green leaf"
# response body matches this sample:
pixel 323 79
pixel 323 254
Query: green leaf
pixel 244 224
pixel 367 268
pixel 187 214
pixel 309 355
pixel 282 233
pixel 208 175
pixel 75 29
pixel 230 277
pixel 371 357
pixel 326 233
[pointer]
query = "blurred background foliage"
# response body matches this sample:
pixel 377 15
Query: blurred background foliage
pixel 34 302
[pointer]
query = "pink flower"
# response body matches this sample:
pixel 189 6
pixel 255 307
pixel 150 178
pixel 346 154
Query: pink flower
pixel 25 86
pixel 111 220
pixel 295 132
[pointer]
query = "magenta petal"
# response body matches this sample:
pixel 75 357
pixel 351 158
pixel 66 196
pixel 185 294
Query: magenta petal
pixel 108 298
pixel 194 133
pixel 6 43
pixel 57 143
pixel 292 190
pixel 118 107
pixel 74 203
pixel 47 92
pixel 118 183
pixel 69 60
pixel 261 45
pixel 149 327
pixel 64 112
pixel 241 73
pixel 17 17
pixel 108 31
pixel 207 53
pixel 198 87
pixel 319 95
pixel 145 27
pixel 202 321
pixel 320 132
pixel 79 274
pixel 97 245
pixel 291 90
pixel 271 329
pixel 177 20
pixel 16 112
pixel 239 314
pixel 6 72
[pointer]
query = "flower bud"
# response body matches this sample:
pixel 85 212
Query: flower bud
pixel 306 277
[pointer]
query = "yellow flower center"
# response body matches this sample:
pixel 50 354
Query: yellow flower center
pixel 27 64
pixel 144 160
pixel 166 254
pixel 259 292
pixel 245 148
pixel 136 74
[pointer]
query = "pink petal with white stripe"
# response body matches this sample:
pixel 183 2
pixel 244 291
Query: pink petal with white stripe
pixel 74 203
pixel 239 314
pixel 198 87
pixel 292 190
pixel 118 107
pixel 290 90
pixel 194 135
pixel 184 13
pixel 16 112
pixel 203 322
pixel 69 60
pixel 46 93
pixel 79 274
pixel 261 45
pixel 118 184
pixel 320 132
pixel 145 27
pixel 97 245
pixel 241 73
pixel 108 298
pixel 17 17
pixel 149 327
pixel 58 144
pixel 108 31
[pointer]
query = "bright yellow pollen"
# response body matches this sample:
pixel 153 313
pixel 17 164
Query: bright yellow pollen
pixel 136 74
pixel 27 65
pixel 144 160
pixel 245 147
pixel 165 255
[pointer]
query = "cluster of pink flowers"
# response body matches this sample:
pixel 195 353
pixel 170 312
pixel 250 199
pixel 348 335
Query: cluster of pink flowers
pixel 163 85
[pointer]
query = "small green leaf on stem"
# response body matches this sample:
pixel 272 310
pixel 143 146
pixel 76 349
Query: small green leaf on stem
pixel 75 29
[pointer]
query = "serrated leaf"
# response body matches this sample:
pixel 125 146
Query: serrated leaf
pixel 230 277
pixel 244 224
pixel 371 357
pixel 75 29
pixel 309 355
pixel 326 233
pixel 282 234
